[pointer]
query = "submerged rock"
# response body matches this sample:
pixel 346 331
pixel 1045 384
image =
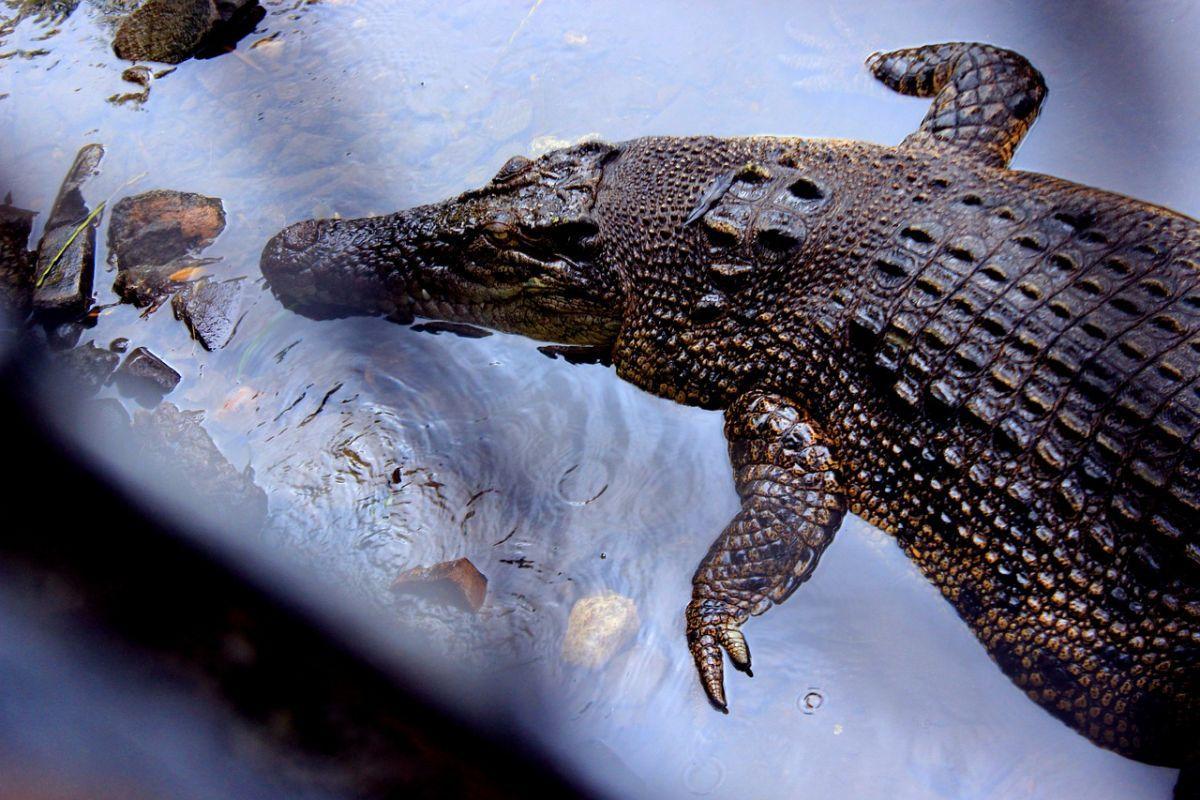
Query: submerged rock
pixel 209 309
pixel 16 263
pixel 456 583
pixel 89 365
pixel 62 275
pixel 145 375
pixel 162 225
pixel 153 238
pixel 171 31
pixel 66 260
pixel 184 456
pixel 599 627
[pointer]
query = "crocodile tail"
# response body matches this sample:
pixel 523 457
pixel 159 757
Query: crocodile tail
pixel 985 98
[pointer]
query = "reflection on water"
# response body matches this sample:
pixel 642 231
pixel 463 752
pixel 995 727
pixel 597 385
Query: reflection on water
pixel 383 449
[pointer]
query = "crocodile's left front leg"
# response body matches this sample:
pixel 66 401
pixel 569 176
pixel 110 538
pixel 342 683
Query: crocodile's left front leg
pixel 792 504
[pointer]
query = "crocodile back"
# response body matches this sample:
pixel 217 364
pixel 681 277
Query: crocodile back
pixel 1065 322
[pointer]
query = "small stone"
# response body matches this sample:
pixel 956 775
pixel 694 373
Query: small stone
pixel 456 583
pixel 139 75
pixel 143 372
pixel 209 309
pixel 162 225
pixel 90 366
pixel 598 627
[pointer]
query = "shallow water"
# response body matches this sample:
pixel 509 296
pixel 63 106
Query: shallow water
pixel 381 448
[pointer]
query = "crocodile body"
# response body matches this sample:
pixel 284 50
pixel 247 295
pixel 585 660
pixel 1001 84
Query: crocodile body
pixel 1002 369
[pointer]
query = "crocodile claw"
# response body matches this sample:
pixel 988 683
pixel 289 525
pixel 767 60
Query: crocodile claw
pixel 711 626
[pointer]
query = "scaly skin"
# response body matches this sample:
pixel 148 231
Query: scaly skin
pixel 1001 369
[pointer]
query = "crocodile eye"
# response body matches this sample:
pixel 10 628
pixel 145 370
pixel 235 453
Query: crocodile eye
pixel 499 231
pixel 512 168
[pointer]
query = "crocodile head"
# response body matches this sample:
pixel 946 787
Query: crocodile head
pixel 522 254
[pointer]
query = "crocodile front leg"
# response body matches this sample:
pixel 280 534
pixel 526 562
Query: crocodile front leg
pixel 792 504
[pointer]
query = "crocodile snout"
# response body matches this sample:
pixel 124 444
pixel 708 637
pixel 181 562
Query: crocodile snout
pixel 303 270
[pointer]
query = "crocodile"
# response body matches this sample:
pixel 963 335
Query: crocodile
pixel 999 368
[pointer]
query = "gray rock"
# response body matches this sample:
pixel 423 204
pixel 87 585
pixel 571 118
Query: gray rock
pixel 69 206
pixel 66 255
pixel 66 260
pixel 209 309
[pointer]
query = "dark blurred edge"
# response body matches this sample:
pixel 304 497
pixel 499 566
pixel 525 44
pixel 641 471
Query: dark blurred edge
pixel 99 576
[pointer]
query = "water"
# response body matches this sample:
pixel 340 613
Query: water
pixel 382 449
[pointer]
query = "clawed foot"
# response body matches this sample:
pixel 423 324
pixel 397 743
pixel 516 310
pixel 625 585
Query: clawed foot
pixel 711 625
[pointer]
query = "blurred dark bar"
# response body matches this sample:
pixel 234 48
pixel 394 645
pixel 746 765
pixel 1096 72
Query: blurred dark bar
pixel 133 665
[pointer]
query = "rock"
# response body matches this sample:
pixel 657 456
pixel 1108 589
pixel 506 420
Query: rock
pixel 69 206
pixel 137 75
pixel 183 455
pixel 66 259
pixel 16 264
pixel 153 238
pixel 209 309
pixel 89 365
pixel 161 226
pixel 167 31
pixel 598 627
pixel 171 31
pixel 456 583
pixel 66 255
pixel 145 375
pixel 151 285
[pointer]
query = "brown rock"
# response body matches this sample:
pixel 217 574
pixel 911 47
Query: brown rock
pixel 162 225
pixel 455 582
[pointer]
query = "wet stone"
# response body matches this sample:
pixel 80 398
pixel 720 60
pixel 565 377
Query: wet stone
pixel 160 226
pixel 151 285
pixel 209 309
pixel 16 266
pixel 598 627
pixel 69 206
pixel 62 275
pixel 183 455
pixel 145 375
pixel 63 271
pixel 455 583
pixel 90 366
pixel 171 31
